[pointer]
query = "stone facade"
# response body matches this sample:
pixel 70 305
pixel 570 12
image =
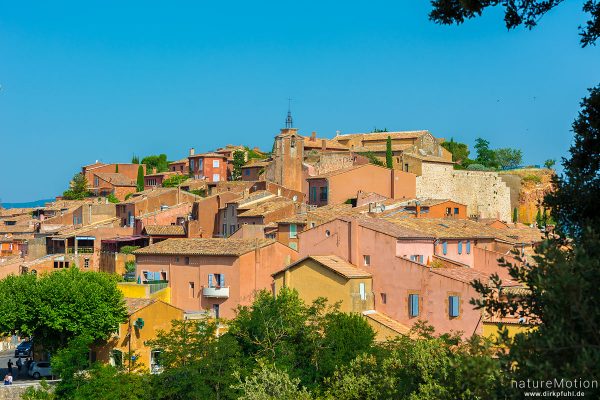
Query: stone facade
pixel 286 168
pixel 485 193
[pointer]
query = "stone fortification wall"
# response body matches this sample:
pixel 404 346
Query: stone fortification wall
pixel 485 193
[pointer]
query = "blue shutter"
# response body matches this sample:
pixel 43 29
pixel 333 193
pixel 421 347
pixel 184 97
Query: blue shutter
pixel 445 247
pixel 210 280
pixel 468 247
pixel 222 280
pixel 460 247
pixel 453 305
pixel 421 259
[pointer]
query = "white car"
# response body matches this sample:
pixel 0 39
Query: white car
pixel 39 369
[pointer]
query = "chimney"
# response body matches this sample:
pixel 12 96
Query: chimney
pixel 192 151
pixel 323 144
pixel 418 210
pixel 313 136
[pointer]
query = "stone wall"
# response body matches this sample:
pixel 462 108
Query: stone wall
pixel 484 193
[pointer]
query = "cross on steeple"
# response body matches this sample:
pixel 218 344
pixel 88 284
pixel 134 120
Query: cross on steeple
pixel 289 123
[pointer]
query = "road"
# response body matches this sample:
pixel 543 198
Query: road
pixel 17 378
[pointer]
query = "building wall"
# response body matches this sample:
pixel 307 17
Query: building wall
pixel 157 316
pixel 252 173
pixel 484 193
pixel 129 170
pixel 152 203
pixel 286 168
pixel 439 210
pixel 243 275
pixel 208 170
pixel 486 260
pixel 394 278
pixel 312 281
pixel 283 235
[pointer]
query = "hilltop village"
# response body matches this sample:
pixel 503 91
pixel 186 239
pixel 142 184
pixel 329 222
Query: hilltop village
pixel 327 217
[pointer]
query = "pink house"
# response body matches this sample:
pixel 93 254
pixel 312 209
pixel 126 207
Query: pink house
pixel 404 286
pixel 214 275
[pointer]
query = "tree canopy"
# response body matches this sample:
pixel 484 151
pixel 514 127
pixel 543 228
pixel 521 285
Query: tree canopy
pixel 238 163
pixel 61 305
pixel 157 162
pixel 516 13
pixel 79 188
pixel 174 180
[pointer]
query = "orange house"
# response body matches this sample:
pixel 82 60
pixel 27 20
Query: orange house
pixel 211 166
pixel 338 186
pixel 213 275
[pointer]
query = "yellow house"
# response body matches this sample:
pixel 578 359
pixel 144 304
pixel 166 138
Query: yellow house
pixel 339 281
pixel 146 316
pixel 331 277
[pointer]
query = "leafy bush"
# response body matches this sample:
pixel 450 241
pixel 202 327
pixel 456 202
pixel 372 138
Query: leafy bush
pixel 128 249
pixel 174 181
pixel 477 167
pixel 532 179
pixel 112 198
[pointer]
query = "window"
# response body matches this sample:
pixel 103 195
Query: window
pixel 362 291
pixel 96 181
pixel 453 306
pixel 191 165
pixel 327 233
pixel 468 247
pixel 215 163
pixel 215 308
pixel 417 258
pixel 192 290
pixel 313 194
pixel 383 298
pixel 413 305
pixel 86 263
pixel 323 196
pixel 405 167
pixel 116 358
pixel 460 247
pixel 455 210
pixel 216 177
pixel 247 172
pixel 448 211
pixel 313 224
pixel 232 210
pixel 216 280
pixel 231 229
pixel 366 260
pixel 155 362
pixel 224 230
pixel 293 231
pixel 294 246
pixel 187 261
pixel 445 247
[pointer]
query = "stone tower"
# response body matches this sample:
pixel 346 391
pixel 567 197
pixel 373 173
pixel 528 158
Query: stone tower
pixel 288 154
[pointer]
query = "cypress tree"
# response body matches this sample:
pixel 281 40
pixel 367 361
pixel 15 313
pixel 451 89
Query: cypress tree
pixel 117 168
pixel 515 214
pixel 389 162
pixel 140 178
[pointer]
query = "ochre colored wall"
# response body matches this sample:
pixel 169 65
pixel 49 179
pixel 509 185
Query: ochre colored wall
pixel 312 280
pixel 157 316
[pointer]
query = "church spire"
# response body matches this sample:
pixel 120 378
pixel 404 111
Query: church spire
pixel 289 123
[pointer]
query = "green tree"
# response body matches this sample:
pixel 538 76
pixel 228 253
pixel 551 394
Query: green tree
pixel 270 383
pixel 135 159
pixel 112 198
pixel 460 152
pixel 140 179
pixel 389 155
pixel 520 12
pixel 421 367
pixel 574 203
pixel 376 130
pixel 238 163
pixel 175 180
pixel 157 162
pixel 485 155
pixel 508 157
pixel 79 188
pixel 116 168
pixel 550 163
pixel 196 363
pixel 515 217
pixel 75 303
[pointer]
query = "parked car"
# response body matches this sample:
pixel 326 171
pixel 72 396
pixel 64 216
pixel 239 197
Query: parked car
pixel 24 349
pixel 40 369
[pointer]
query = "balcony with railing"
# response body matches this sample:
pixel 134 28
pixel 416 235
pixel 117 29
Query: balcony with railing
pixel 80 250
pixel 217 292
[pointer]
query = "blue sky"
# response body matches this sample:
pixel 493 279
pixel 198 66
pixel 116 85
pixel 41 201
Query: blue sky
pixel 86 81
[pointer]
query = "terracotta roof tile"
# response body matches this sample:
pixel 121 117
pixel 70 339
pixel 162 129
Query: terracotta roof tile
pixel 266 207
pixel 135 304
pixel 468 275
pixel 387 321
pixel 333 263
pixel 164 230
pixel 383 135
pixel 208 247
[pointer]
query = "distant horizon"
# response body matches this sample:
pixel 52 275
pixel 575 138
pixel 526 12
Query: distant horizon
pixel 163 79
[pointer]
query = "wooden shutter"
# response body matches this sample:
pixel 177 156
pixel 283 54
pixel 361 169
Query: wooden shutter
pixel 460 247
pixel 210 280
pixel 222 280
pixel 445 247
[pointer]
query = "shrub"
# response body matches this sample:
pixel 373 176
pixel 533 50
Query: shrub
pixel 477 167
pixel 129 249
pixel 532 178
